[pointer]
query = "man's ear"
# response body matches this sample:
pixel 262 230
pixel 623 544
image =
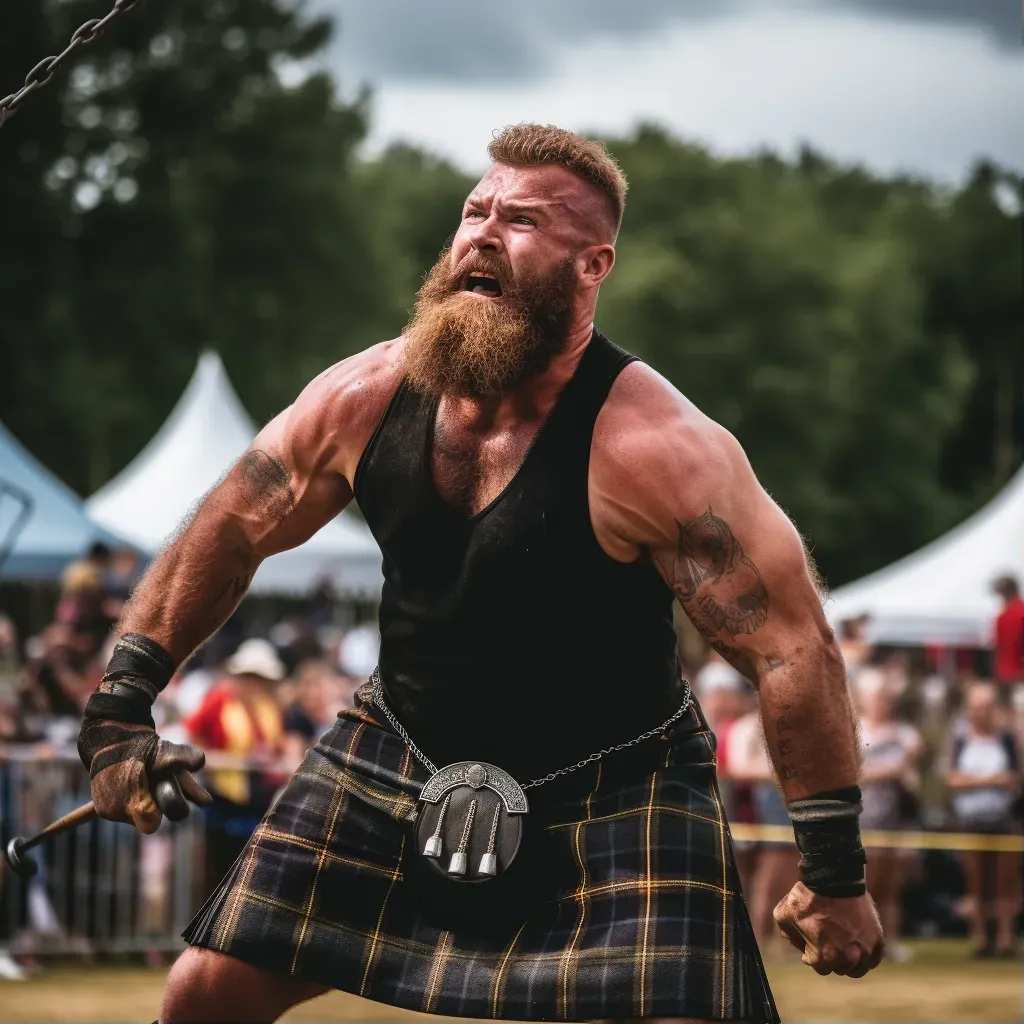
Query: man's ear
pixel 597 262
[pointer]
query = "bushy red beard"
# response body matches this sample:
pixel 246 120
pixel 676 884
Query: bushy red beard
pixel 461 345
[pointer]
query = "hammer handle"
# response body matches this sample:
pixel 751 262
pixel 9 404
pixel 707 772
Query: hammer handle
pixel 166 792
pixel 69 820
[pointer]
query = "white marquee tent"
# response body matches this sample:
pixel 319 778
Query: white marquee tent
pixel 204 435
pixel 942 593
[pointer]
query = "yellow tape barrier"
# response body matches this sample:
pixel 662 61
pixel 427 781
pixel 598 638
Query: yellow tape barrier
pixel 893 840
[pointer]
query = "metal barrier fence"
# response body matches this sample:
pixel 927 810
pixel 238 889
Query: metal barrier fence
pixel 101 888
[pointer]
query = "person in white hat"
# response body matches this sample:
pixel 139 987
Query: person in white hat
pixel 240 717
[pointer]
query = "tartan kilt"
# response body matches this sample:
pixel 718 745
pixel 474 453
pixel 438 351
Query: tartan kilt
pixel 629 905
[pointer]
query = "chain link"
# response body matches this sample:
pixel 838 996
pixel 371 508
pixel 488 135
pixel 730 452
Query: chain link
pixel 86 33
pixel 378 700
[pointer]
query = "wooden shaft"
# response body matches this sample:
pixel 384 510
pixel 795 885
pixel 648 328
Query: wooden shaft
pixel 70 820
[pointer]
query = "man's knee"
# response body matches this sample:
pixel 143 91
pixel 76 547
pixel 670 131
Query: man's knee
pixel 208 986
pixel 199 979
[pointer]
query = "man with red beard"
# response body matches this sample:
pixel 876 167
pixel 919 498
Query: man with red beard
pixel 520 818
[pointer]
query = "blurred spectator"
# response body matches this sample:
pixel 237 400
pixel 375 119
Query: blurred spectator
pixel 776 870
pixel 239 716
pixel 121 575
pixel 83 606
pixel 1009 635
pixel 8 649
pixel 985 777
pixel 889 782
pixel 895 667
pixel 853 644
pixel 61 674
pixel 190 686
pixel 719 688
pixel 322 605
pixel 9 678
pixel 317 700
pixel 296 642
pixel 736 699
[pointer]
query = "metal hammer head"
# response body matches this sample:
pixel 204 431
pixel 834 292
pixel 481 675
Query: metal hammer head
pixel 18 859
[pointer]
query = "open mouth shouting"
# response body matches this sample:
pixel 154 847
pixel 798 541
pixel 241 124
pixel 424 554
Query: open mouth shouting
pixel 481 283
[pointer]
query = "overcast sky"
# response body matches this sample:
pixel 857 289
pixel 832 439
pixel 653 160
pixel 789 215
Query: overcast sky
pixel 920 85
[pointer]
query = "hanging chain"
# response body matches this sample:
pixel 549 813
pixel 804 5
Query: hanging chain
pixel 45 69
pixel 378 700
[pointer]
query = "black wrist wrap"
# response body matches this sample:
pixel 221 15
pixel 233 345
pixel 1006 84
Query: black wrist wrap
pixel 138 670
pixel 828 837
pixel 140 663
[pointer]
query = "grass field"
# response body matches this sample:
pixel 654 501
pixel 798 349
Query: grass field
pixel 939 984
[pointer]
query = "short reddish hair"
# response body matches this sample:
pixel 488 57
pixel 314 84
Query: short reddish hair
pixel 529 145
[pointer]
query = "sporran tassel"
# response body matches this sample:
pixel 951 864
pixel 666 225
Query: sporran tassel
pixel 432 847
pixel 457 865
pixel 489 861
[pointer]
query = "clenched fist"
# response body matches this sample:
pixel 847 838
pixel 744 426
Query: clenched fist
pixel 836 935
pixel 125 760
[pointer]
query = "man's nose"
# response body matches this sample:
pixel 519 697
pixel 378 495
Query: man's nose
pixel 484 236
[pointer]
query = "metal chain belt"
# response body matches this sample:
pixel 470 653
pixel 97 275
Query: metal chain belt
pixel 44 70
pixel 378 700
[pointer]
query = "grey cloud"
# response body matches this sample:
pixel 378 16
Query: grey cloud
pixel 466 40
pixel 469 39
pixel 1000 18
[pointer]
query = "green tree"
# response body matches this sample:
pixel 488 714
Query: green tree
pixel 803 336
pixel 192 199
pixel 186 184
pixel 416 203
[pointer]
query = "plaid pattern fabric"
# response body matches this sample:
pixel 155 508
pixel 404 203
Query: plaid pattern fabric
pixel 646 921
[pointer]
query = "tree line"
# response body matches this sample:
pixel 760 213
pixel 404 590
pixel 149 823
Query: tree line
pixel 860 334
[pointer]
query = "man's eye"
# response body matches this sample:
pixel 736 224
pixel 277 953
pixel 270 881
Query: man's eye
pixel 523 220
pixel 472 213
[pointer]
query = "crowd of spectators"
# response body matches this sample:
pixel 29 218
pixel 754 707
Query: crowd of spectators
pixel 941 735
pixel 254 703
pixel 941 741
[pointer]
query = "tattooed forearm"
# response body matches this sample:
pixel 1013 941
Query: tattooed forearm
pixel 718 586
pixel 784 744
pixel 233 590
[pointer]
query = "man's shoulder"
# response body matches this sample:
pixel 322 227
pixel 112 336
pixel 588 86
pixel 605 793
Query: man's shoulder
pixel 656 460
pixel 369 377
pixel 341 407
pixel 647 426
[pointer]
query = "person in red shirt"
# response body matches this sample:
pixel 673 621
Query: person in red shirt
pixel 1009 633
pixel 239 717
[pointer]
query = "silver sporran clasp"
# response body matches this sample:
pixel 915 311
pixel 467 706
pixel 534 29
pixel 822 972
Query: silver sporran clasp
pixel 470 823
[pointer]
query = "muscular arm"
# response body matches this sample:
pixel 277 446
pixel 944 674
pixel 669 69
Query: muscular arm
pixel 292 480
pixel 677 488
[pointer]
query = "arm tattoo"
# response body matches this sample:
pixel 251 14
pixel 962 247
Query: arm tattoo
pixel 238 582
pixel 718 586
pixel 266 491
pixel 783 725
pixel 266 484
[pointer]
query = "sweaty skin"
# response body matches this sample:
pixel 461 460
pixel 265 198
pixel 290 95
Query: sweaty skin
pixel 666 484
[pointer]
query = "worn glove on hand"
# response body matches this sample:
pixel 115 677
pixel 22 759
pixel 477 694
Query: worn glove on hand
pixel 126 758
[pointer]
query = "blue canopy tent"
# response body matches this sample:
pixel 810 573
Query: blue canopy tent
pixel 43 524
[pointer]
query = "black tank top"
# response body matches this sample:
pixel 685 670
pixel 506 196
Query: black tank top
pixel 510 636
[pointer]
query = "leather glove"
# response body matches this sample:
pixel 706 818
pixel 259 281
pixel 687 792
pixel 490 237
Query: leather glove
pixel 126 758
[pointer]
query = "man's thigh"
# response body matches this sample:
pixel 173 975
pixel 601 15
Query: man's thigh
pixel 206 986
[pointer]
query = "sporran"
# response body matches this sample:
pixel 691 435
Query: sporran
pixel 471 815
